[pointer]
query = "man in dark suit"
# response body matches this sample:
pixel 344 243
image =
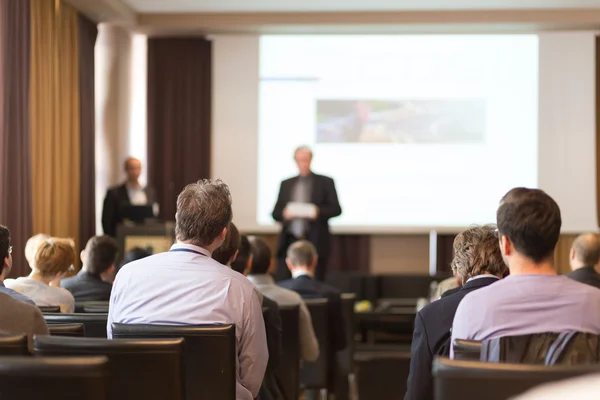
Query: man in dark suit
pixel 129 193
pixel 477 263
pixel 308 188
pixel 584 256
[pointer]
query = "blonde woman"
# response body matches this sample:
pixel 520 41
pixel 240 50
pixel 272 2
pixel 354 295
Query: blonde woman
pixel 52 260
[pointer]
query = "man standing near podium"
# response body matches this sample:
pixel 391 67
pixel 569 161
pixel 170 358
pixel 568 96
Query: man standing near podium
pixel 304 206
pixel 130 193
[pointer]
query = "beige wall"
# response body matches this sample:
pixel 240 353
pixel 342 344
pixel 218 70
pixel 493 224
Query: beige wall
pixel 400 254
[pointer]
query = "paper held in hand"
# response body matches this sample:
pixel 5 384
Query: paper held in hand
pixel 302 210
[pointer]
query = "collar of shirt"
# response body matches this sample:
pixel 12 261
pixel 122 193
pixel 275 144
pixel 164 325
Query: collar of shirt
pixel 261 279
pixel 482 276
pixel 296 274
pixel 191 247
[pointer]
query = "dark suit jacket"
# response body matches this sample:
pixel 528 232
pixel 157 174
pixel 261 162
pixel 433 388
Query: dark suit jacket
pixel 117 198
pixel 323 196
pixel 310 288
pixel 587 275
pixel 87 287
pixel 432 337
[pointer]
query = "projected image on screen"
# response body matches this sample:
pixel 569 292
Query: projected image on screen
pixel 405 121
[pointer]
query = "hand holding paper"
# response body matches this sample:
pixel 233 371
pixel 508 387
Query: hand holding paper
pixel 301 210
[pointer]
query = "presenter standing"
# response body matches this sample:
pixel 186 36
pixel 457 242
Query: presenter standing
pixel 304 206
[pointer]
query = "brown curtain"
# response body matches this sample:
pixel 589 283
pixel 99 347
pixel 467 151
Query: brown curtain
pixel 15 170
pixel 350 253
pixel 445 253
pixel 88 32
pixel 54 107
pixel 179 116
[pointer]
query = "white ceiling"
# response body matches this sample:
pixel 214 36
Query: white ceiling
pixel 188 6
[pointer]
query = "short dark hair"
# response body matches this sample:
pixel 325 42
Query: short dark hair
pixel 531 220
pixel 101 253
pixel 203 211
pixel 134 254
pixel 230 245
pixel 261 256
pixel 587 248
pixel 4 242
pixel 241 261
pixel 302 253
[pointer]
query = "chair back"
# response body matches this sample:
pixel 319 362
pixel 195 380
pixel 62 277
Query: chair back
pixel 49 309
pixel 288 373
pixel 72 330
pixel 382 365
pixel 313 375
pixel 149 369
pixel 345 358
pixel 94 324
pixel 25 378
pixel 80 306
pixel 209 355
pixel 96 309
pixel 459 380
pixel 14 345
pixel 468 350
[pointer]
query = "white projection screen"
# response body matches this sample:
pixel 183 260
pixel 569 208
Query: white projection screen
pixel 420 132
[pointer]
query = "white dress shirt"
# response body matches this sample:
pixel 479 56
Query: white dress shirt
pixel 42 294
pixel 137 196
pixel 185 286
pixel 309 346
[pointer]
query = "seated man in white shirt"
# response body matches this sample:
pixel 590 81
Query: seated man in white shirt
pixel 185 286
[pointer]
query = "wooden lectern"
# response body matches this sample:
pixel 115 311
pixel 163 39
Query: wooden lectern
pixel 155 236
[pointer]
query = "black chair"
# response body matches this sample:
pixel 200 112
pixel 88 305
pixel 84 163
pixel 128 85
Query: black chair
pixel 148 369
pixel 49 309
pixel 96 309
pixel 73 378
pixel 209 355
pixel 404 286
pixel 80 306
pixel 467 350
pixel 14 345
pixel 345 358
pixel 288 373
pixel 94 324
pixel 71 330
pixel 460 380
pixel 381 374
pixel 314 375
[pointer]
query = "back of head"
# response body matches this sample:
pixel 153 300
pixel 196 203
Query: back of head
pixel 100 254
pixel 54 256
pixel 4 242
pixel 241 261
pixel 476 251
pixel 136 253
pixel 531 220
pixel 586 249
pixel 230 246
pixel 261 256
pixel 203 211
pixel 302 254
pixel 32 244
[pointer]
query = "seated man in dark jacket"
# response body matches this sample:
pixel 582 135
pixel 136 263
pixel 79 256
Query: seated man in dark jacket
pixel 94 281
pixel 585 255
pixel 477 263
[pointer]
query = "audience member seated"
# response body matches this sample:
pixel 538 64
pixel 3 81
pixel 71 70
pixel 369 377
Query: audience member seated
pixel 32 245
pixel 477 263
pixel 6 254
pixel 226 255
pixel 533 299
pixel 54 257
pixel 584 257
pixel 261 267
pixel 185 286
pixel 94 281
pixel 136 253
pixel 446 287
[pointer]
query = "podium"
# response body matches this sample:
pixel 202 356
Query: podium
pixel 157 237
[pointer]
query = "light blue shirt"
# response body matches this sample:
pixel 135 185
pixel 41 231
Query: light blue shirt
pixel 185 288
pixel 527 304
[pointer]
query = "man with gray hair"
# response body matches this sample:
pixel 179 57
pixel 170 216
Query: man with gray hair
pixel 584 257
pixel 302 259
pixel 304 206
pixel 185 286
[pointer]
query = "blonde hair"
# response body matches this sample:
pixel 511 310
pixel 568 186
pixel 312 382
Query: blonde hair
pixel 54 256
pixel 32 245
